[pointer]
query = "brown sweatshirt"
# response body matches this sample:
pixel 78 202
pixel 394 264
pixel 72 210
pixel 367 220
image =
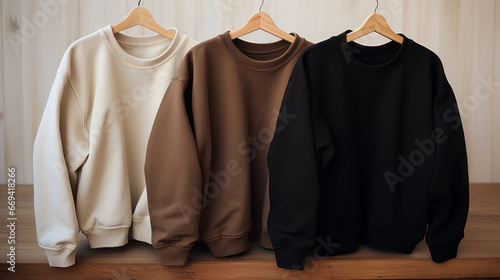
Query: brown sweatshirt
pixel 206 168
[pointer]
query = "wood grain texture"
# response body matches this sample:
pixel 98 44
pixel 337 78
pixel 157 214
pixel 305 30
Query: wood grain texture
pixel 340 269
pixel 478 256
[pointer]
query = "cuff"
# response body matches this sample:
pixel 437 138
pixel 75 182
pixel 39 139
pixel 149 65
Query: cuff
pixel 443 252
pixel 61 258
pixel 173 256
pixel 290 258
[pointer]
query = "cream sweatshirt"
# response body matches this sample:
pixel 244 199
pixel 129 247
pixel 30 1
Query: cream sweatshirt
pixel 89 152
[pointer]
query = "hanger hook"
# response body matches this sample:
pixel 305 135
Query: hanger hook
pixel 138 4
pixel 375 11
pixel 261 4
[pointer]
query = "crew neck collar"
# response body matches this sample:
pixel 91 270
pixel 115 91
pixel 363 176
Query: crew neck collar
pixel 137 62
pixel 345 50
pixel 261 65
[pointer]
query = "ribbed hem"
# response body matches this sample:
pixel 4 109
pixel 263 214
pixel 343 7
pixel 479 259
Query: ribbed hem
pixel 105 238
pixel 228 246
pixel 287 257
pixel 141 231
pixel 443 252
pixel 265 240
pixel 389 240
pixel 173 255
pixel 61 258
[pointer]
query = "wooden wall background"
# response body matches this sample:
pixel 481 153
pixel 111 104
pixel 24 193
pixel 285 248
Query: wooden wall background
pixel 465 34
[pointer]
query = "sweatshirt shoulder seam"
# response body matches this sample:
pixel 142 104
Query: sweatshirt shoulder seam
pixel 442 93
pixel 299 85
pixel 82 115
pixel 182 80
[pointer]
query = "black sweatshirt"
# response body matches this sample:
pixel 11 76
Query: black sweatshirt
pixel 373 152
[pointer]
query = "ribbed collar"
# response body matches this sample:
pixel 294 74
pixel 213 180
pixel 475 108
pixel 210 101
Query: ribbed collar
pixel 235 46
pixel 346 50
pixel 137 62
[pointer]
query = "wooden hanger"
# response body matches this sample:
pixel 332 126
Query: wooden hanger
pixel 261 20
pixel 141 16
pixel 374 22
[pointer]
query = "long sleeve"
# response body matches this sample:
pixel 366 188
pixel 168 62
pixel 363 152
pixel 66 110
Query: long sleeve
pixel 295 158
pixel 449 190
pixel 60 148
pixel 173 178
